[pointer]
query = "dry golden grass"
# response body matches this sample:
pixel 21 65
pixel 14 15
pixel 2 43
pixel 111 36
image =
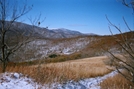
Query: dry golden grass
pixel 116 82
pixel 82 68
pixel 64 71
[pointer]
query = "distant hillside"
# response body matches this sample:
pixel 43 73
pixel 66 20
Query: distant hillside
pixel 65 33
pixel 44 32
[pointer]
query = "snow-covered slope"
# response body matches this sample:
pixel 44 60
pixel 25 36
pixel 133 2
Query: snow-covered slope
pixel 19 81
pixel 41 48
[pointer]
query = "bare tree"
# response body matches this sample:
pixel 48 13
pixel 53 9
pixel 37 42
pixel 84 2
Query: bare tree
pixel 124 61
pixel 128 4
pixel 10 38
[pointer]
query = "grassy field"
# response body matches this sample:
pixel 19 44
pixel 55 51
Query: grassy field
pixel 82 68
pixel 64 71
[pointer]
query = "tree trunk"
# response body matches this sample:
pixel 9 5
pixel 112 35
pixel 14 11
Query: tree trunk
pixel 4 66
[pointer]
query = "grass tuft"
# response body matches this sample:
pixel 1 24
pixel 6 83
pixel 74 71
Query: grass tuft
pixel 116 82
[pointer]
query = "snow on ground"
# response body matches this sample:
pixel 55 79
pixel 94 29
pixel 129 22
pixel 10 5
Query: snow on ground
pixel 19 81
pixel 16 81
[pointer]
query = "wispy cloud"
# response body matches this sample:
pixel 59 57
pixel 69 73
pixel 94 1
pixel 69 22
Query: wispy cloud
pixel 77 25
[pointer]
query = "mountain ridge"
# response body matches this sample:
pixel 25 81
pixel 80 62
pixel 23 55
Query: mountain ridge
pixel 42 32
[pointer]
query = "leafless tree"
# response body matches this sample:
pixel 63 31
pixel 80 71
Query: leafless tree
pixel 10 38
pixel 124 61
pixel 128 4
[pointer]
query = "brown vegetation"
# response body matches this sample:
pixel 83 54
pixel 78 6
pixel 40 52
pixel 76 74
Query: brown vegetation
pixel 116 82
pixel 64 71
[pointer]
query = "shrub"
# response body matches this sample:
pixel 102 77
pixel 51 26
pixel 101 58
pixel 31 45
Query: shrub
pixel 53 56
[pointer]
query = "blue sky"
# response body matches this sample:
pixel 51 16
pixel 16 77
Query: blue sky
pixel 86 16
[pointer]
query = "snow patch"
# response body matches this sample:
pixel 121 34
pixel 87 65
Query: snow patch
pixel 16 81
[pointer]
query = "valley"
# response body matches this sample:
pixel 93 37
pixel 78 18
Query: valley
pixel 69 61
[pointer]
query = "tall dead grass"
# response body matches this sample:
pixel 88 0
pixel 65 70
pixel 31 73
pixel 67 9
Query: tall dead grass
pixel 116 82
pixel 64 71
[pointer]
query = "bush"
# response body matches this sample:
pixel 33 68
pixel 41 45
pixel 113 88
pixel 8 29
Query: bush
pixel 62 58
pixel 53 56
